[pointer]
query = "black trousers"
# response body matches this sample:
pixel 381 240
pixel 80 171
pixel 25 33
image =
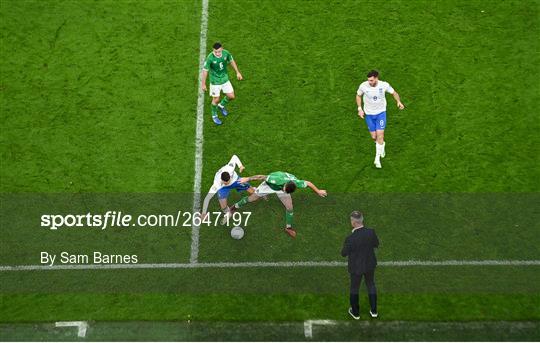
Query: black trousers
pixel 356 280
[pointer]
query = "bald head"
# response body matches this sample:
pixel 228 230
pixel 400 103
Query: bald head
pixel 357 219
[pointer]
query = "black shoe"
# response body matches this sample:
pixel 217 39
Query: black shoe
pixel 353 315
pixel 373 314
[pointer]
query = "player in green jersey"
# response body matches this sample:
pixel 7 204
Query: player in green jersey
pixel 216 64
pixel 279 183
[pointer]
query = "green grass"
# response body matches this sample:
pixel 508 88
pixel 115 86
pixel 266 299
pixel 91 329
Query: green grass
pixel 256 307
pixel 99 98
pixel 447 59
pixel 102 98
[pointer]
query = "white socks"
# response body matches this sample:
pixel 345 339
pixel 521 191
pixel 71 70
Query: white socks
pixel 379 150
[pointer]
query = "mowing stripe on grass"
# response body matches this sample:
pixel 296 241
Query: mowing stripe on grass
pixel 199 138
pixel 411 263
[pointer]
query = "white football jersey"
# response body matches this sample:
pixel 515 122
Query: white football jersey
pixel 374 97
pixel 218 184
pixel 229 168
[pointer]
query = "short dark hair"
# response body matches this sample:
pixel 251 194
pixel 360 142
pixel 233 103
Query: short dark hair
pixel 373 73
pixel 225 176
pixel 217 45
pixel 290 187
pixel 357 216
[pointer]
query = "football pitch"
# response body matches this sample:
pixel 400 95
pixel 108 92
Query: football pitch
pixel 101 111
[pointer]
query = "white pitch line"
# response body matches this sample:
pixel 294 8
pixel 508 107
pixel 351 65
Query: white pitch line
pixel 199 138
pixel 82 327
pixel 284 264
pixel 308 326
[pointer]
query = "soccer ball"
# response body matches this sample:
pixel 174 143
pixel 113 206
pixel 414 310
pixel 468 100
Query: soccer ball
pixel 237 232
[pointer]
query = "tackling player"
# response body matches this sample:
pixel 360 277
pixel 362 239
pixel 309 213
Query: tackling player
pixel 373 92
pixel 226 179
pixel 283 185
pixel 216 64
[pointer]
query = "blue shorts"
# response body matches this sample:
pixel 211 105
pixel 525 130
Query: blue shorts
pixel 376 121
pixel 224 191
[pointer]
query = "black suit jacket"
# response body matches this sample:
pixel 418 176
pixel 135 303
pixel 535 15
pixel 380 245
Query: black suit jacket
pixel 359 247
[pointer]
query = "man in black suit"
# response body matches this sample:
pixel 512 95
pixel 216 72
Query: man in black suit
pixel 359 247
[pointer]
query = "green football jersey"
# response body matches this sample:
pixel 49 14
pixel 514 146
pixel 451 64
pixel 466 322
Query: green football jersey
pixel 217 67
pixel 277 180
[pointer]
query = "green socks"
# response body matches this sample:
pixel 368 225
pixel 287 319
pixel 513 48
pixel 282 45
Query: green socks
pixel 214 110
pixel 289 217
pixel 224 101
pixel 242 202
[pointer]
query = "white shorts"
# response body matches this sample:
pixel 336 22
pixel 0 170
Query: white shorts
pixel 263 190
pixel 226 88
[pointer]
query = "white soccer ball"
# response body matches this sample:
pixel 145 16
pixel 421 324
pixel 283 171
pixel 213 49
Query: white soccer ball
pixel 237 232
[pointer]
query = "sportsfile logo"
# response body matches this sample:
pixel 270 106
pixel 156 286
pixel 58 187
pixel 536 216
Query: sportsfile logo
pixel 101 221
pixel 119 219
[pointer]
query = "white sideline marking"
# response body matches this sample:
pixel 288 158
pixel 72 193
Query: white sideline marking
pixel 291 264
pixel 308 326
pixel 82 326
pixel 199 138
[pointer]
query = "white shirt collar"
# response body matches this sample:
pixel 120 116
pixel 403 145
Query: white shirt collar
pixel 356 228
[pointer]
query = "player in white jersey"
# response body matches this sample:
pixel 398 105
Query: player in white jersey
pixel 372 92
pixel 226 179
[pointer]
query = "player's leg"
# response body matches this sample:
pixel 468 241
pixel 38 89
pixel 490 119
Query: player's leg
pixel 286 200
pixel 262 190
pixel 381 126
pixel 251 198
pixel 372 293
pixel 247 199
pixel 229 95
pixel 371 121
pixel 223 194
pixel 230 210
pixel 380 142
pixel 252 190
pixel 215 90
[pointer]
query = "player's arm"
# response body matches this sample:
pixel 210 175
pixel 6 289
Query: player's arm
pixel 395 94
pixel 213 190
pixel 204 75
pixel 252 178
pixel 398 100
pixel 235 67
pixel 203 79
pixel 359 94
pixel 321 192
pixel 235 162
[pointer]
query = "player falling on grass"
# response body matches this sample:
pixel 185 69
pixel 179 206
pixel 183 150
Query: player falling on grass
pixel 226 179
pixel 283 185
pixel 216 64
pixel 373 92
